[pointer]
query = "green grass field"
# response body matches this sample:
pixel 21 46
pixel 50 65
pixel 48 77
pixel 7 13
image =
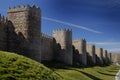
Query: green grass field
pixel 67 72
pixel 95 73
pixel 16 67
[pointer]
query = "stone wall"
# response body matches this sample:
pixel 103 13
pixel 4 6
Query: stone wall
pixel 27 25
pixel 46 47
pixel 105 56
pixel 115 58
pixel 21 33
pixel 64 39
pixel 79 54
pixel 3 35
pixel 91 56
pixel 99 55
pixel 110 57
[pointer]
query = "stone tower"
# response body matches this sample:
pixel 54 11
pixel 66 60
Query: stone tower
pixel 99 55
pixel 27 24
pixel 91 53
pixel 115 58
pixel 64 39
pixel 105 56
pixel 109 57
pixel 80 46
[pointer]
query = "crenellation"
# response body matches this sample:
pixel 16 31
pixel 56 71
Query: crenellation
pixel 69 30
pixel 21 32
pixel 46 37
pixel 22 8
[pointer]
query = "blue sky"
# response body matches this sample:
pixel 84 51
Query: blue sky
pixel 96 20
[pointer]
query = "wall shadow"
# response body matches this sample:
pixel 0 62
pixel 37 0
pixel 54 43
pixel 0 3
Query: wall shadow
pixel 91 76
pixel 15 42
pixel 77 57
pixel 88 75
pixel 106 74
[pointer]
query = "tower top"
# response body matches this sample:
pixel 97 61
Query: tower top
pixel 22 8
pixel 62 30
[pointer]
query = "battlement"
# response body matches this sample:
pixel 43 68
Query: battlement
pixel 90 45
pixel 23 8
pixel 65 30
pixel 46 37
pixel 3 19
pixel 77 40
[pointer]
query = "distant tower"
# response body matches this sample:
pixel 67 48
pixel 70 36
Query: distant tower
pixel 64 38
pixel 105 56
pixel 99 55
pixel 91 53
pixel 27 23
pixel 110 57
pixel 80 46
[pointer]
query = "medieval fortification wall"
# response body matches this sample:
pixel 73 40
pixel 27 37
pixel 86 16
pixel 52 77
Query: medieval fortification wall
pixel 91 54
pixel 80 51
pixel 21 32
pixel 105 56
pixel 116 58
pixel 46 47
pixel 3 35
pixel 64 40
pixel 99 55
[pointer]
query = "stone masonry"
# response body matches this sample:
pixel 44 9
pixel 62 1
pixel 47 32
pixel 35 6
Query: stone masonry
pixel 91 54
pixel 105 56
pixel 21 32
pixel 80 51
pixel 64 39
pixel 46 47
pixel 116 58
pixel 3 35
pixel 99 55
pixel 110 57
pixel 26 21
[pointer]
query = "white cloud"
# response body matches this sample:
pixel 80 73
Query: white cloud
pixel 73 25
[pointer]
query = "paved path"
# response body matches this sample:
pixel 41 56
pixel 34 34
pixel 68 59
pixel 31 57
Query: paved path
pixel 117 77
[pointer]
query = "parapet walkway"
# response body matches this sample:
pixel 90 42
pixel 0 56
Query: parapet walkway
pixel 117 77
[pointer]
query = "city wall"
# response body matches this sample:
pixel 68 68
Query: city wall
pixel 21 32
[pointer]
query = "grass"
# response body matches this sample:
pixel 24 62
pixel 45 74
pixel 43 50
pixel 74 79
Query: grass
pixel 79 73
pixel 16 67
